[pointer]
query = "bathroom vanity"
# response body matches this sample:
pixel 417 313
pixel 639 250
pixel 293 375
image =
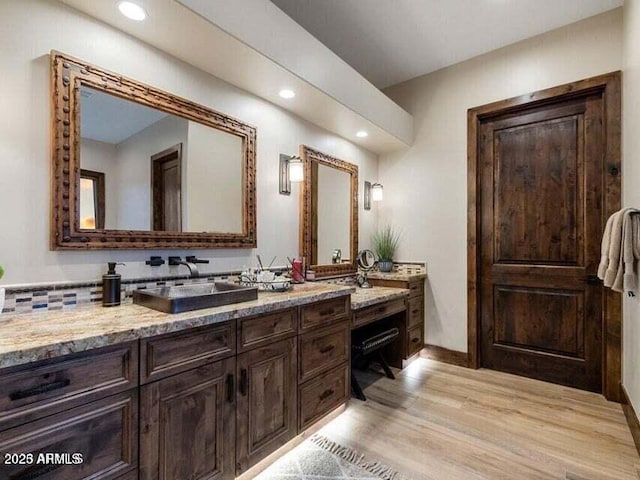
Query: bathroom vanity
pixel 142 394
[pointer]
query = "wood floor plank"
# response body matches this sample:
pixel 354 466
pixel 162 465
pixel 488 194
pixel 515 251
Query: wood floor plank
pixel 442 422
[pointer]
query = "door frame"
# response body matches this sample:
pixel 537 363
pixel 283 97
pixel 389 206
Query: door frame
pixel 172 153
pixel 609 85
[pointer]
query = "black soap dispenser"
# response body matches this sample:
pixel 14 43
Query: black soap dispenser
pixel 111 283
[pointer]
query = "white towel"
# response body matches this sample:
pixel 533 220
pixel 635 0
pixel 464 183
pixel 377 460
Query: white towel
pixel 615 244
pixel 620 251
pixel 604 250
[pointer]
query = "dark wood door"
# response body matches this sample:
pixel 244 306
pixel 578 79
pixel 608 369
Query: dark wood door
pixel 267 401
pixel 188 425
pixel 166 176
pixel 541 173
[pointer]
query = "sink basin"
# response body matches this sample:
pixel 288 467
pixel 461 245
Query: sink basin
pixel 185 298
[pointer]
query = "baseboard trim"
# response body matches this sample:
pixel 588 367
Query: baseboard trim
pixel 445 355
pixel 631 416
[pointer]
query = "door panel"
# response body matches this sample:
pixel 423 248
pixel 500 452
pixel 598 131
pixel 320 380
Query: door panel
pixel 541 177
pixel 535 319
pixel 188 427
pixel 267 407
pixel 537 195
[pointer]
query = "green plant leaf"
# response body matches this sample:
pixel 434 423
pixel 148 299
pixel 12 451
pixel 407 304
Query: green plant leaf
pixel 385 243
pixel 1 271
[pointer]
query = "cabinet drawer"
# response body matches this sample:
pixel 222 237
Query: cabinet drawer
pixel 415 342
pixel 416 289
pixel 323 394
pixel 415 316
pixel 177 352
pixel 259 331
pixel 323 349
pixel 32 391
pixel 322 313
pixel 376 312
pixel 104 432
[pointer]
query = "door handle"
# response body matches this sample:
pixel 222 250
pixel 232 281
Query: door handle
pixel 593 280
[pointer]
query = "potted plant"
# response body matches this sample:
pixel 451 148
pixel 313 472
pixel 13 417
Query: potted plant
pixel 385 243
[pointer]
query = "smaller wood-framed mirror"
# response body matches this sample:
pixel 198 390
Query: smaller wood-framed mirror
pixel 136 167
pixel 329 213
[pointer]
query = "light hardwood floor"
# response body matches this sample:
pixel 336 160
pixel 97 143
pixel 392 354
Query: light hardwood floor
pixel 441 422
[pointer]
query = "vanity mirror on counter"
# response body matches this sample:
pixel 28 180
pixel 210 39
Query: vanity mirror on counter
pixel 137 167
pixel 329 213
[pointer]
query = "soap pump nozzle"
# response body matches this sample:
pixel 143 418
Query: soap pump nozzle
pixel 112 267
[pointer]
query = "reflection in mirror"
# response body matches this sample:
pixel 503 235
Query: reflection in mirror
pixel 334 214
pixel 91 200
pixel 160 172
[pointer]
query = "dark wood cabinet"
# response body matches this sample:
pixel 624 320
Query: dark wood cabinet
pixel 323 349
pixel 323 394
pixel 266 414
pixel 166 355
pixel 182 405
pixel 32 391
pixel 187 427
pixel 102 437
pixel 412 328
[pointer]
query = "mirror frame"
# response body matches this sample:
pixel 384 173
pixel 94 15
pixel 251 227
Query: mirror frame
pixel 68 74
pixel 308 212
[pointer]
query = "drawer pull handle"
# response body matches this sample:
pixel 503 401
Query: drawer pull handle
pixel 244 382
pixel 230 388
pixel 415 340
pixel 30 475
pixel 327 349
pixel 329 311
pixel 47 387
pixel 326 394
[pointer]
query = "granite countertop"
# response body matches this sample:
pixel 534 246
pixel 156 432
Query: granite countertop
pixel 398 276
pixel 365 297
pixel 37 336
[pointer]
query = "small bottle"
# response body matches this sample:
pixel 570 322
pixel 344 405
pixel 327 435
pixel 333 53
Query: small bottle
pixel 311 274
pixel 297 271
pixel 111 283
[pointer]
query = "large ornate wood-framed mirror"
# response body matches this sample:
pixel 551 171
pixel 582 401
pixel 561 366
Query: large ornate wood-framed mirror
pixel 328 213
pixel 173 174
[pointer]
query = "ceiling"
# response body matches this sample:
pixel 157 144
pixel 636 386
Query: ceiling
pixel 234 41
pixel 110 119
pixel 390 41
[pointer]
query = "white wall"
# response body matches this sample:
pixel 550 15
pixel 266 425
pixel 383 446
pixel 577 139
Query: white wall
pixel 630 188
pixel 213 181
pixel 426 184
pixel 32 28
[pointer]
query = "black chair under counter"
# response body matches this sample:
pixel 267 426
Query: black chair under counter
pixel 367 346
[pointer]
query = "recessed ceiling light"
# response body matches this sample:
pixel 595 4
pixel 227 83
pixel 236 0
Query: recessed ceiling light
pixel 286 93
pixel 362 134
pixel 132 11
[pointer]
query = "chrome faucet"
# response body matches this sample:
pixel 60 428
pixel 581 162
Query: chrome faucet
pixel 193 270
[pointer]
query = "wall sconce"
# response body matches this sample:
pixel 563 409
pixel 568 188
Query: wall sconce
pixel 291 170
pixel 372 193
pixel 377 194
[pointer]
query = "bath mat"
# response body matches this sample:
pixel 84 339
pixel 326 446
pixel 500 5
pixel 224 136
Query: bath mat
pixel 319 458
